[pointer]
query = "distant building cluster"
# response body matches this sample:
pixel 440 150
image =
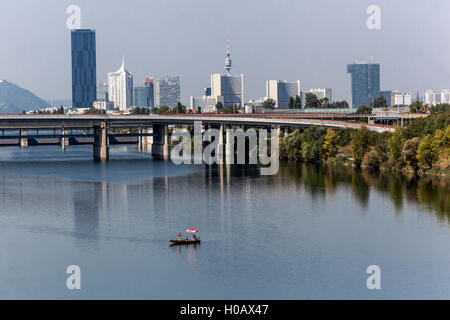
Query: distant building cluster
pixel 119 93
pixel 225 90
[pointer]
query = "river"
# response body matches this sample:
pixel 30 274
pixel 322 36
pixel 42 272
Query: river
pixel 309 232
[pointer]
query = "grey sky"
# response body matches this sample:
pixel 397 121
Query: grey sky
pixel 270 39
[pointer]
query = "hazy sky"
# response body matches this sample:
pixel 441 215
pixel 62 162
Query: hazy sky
pixel 310 40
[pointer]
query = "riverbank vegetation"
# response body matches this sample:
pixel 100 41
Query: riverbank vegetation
pixel 423 147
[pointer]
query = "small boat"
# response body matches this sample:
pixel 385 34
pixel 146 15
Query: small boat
pixel 189 241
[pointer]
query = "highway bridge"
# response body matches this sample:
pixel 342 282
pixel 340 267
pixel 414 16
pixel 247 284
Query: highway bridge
pixel 151 131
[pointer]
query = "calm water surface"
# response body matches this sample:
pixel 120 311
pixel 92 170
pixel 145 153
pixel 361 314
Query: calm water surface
pixel 308 232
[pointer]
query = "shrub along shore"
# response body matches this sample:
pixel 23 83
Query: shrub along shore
pixel 422 147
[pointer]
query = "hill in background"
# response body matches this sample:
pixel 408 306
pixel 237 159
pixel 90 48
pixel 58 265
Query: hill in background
pixel 14 99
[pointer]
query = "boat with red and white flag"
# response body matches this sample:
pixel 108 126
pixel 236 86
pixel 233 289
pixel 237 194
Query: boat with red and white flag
pixel 192 240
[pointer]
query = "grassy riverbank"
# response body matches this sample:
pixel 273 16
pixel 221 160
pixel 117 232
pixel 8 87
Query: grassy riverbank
pixel 421 148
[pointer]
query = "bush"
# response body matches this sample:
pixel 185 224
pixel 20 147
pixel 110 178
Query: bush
pixel 409 152
pixel 427 153
pixel 360 144
pixel 395 145
pixel 371 161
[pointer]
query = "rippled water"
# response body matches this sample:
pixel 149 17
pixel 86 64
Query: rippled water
pixel 307 232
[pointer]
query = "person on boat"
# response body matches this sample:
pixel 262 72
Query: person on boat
pixel 194 237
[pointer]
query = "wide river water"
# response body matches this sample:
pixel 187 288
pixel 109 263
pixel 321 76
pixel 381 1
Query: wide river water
pixel 309 232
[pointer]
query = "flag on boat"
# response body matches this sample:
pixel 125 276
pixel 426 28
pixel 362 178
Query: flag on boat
pixel 191 230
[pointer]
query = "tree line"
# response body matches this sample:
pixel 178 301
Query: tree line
pixel 422 146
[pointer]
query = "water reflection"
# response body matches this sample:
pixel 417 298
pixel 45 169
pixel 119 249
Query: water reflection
pixel 190 250
pixel 323 180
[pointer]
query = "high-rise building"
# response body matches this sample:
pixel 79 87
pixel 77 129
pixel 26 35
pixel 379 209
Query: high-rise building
pixel 430 97
pixel 226 88
pixel 445 96
pixel 167 91
pixel 143 94
pixel 120 87
pixel 102 92
pixel 282 91
pixel 84 68
pixel 365 78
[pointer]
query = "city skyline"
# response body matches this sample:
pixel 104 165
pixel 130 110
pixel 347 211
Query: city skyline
pixel 188 55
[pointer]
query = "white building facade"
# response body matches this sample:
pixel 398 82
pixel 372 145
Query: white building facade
pixel 401 98
pixel 430 97
pixel 120 88
pixel 445 96
pixel 281 91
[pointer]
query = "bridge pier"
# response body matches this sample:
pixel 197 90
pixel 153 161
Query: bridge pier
pixel 101 143
pixel 23 141
pixel 160 145
pixel 229 148
pixel 145 142
pixel 64 141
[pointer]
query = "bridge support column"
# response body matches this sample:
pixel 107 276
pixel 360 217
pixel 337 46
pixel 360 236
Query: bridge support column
pixel 64 141
pixel 160 145
pixel 23 141
pixel 146 141
pixel 229 149
pixel 101 143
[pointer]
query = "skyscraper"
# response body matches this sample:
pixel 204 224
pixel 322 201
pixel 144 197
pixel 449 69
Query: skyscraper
pixel 84 68
pixel 282 91
pixel 365 82
pixel 120 87
pixel 167 91
pixel 143 94
pixel 226 88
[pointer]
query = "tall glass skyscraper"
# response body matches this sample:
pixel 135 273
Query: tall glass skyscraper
pixel 365 82
pixel 84 68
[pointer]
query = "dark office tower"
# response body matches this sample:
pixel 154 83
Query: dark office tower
pixel 365 82
pixel 84 69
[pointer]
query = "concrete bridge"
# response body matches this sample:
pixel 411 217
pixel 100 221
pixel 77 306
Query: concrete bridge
pixel 152 131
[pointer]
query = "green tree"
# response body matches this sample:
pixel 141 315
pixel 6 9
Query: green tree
pixel 379 102
pixel 364 110
pixel 164 110
pixel 297 102
pixel 427 153
pixel 330 145
pixel 324 102
pixel 409 152
pixel 291 102
pixel 269 104
pixel 416 107
pixel 360 144
pixel 381 145
pixel 311 101
pixel 371 161
pixel 395 145
pixel 219 106
pixel 312 143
